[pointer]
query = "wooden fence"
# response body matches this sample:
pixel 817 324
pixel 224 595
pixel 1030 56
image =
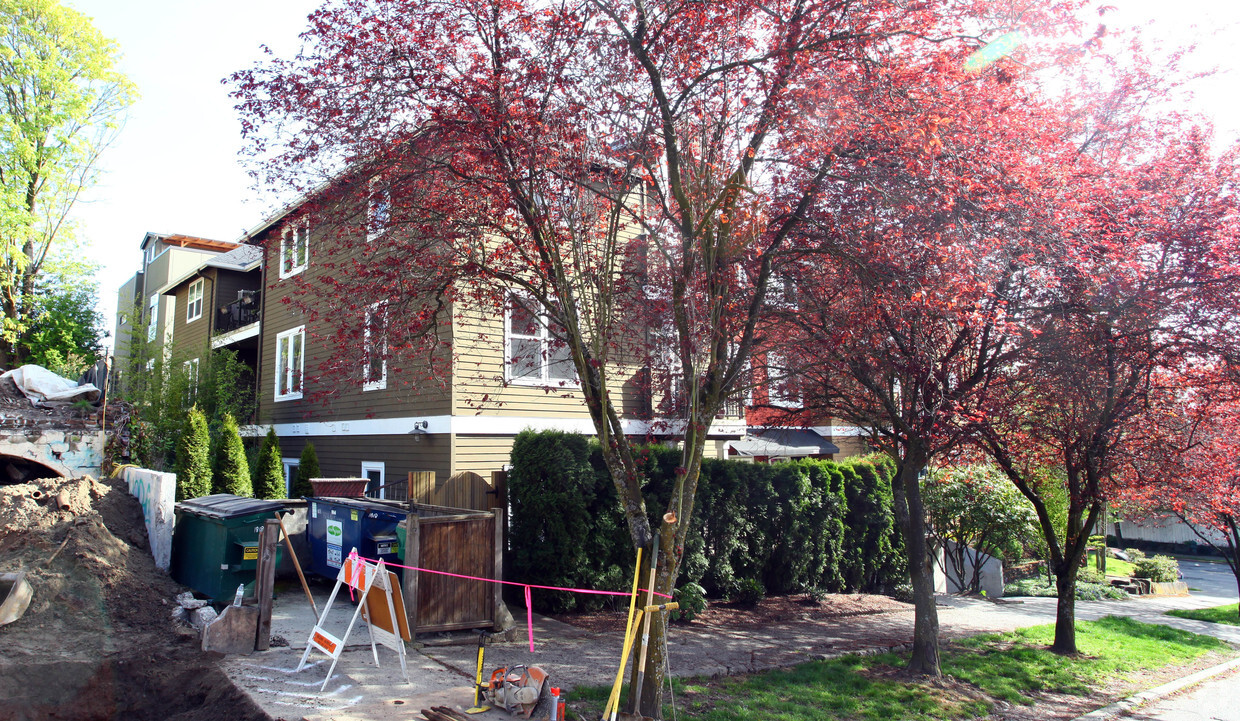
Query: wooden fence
pixel 464 490
pixel 469 543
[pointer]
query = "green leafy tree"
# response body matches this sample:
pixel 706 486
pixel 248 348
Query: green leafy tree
pixel 973 512
pixel 269 482
pixel 66 332
pixel 307 468
pixel 232 473
pixel 193 466
pixel 61 107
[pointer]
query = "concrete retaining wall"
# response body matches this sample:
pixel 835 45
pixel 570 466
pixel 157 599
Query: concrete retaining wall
pixel 70 453
pixel 157 493
pixel 990 579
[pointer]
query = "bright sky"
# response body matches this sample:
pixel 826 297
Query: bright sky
pixel 175 167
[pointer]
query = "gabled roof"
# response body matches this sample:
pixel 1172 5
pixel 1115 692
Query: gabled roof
pixel 243 258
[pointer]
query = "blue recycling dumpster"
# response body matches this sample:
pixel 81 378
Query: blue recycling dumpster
pixel 337 525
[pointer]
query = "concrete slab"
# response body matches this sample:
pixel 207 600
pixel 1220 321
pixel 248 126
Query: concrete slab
pixel 233 631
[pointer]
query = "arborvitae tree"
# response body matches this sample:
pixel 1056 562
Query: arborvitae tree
pixel 307 468
pixel 193 466
pixel 232 473
pixel 269 480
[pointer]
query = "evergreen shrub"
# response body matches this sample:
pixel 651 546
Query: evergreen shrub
pixel 269 476
pixel 193 467
pixel 307 468
pixel 232 473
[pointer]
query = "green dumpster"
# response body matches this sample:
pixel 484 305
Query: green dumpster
pixel 215 543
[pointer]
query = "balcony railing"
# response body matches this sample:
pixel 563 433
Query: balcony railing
pixel 239 313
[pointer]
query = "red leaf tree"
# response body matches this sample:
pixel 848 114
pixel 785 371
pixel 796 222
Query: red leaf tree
pixel 577 152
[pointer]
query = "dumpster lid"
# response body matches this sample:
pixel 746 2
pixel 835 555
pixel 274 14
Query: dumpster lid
pixel 226 505
pixel 364 504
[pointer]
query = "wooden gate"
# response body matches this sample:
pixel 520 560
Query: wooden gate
pixel 463 490
pixel 453 541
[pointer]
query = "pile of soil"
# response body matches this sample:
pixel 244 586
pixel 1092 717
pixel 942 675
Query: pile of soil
pixel 98 640
pixel 769 611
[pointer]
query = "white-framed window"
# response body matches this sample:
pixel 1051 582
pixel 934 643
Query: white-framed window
pixel 290 474
pixel 152 318
pixel 781 292
pixel 191 379
pixel 374 349
pixel 290 363
pixel 373 472
pixel 378 209
pixel 154 250
pixel 294 247
pixel 534 349
pixel 781 386
pixel 150 365
pixel 193 306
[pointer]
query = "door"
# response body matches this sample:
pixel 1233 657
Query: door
pixel 373 473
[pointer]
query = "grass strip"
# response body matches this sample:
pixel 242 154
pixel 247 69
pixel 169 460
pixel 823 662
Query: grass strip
pixel 978 672
pixel 1228 613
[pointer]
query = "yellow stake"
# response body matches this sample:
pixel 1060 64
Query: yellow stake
pixel 628 628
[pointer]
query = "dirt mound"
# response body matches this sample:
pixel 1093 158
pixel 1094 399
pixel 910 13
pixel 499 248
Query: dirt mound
pixel 97 641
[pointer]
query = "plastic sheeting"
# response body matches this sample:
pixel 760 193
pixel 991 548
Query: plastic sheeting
pixel 41 385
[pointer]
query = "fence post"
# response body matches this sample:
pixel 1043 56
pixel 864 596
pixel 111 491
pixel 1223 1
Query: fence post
pixel 409 579
pixel 497 589
pixel 264 583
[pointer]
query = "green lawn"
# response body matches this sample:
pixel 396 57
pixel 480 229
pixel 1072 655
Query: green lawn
pixel 994 667
pixel 1115 567
pixel 1228 614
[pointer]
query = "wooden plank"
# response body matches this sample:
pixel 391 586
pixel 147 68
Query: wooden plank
pixel 412 557
pixel 265 581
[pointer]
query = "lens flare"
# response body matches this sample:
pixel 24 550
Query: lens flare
pixel 995 50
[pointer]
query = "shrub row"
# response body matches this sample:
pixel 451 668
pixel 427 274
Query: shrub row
pixel 755 528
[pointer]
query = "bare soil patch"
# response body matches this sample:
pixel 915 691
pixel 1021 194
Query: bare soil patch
pixel 769 611
pixel 98 641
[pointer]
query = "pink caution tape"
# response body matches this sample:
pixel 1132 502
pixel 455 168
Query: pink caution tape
pixel 529 611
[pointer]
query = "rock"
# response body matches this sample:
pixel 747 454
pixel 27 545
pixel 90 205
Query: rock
pixel 187 600
pixel 200 618
pixel 233 632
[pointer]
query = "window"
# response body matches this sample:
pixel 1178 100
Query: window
pixel 152 318
pixel 193 309
pixel 154 250
pixel 150 365
pixel 535 352
pixel 781 387
pixel 290 474
pixel 191 380
pixel 378 210
pixel 781 293
pixel 290 362
pixel 373 473
pixel 374 361
pixel 294 248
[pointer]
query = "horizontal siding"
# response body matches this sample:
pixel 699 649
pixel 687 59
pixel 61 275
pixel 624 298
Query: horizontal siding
pixel 342 456
pixel 190 339
pixel 481 454
pixel 850 446
pixel 409 391
pixel 479 377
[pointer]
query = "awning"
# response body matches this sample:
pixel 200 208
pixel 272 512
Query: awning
pixel 783 442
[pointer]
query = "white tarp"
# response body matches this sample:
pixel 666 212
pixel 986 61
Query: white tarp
pixel 39 384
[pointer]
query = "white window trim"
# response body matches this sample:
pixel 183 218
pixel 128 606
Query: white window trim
pixel 780 399
pixel 381 468
pixel 290 233
pixel 152 327
pixel 191 375
pixel 376 226
pixel 280 366
pixel 289 463
pixel 369 384
pixel 544 359
pixel 190 315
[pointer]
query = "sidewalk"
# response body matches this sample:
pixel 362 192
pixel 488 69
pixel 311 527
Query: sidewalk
pixel 443 675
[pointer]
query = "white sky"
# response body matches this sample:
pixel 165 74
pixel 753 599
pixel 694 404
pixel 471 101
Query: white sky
pixel 175 167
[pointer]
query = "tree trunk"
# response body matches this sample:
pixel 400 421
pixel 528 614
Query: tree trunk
pixel 911 515
pixel 1065 609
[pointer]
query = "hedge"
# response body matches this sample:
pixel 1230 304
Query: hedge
pixel 788 527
